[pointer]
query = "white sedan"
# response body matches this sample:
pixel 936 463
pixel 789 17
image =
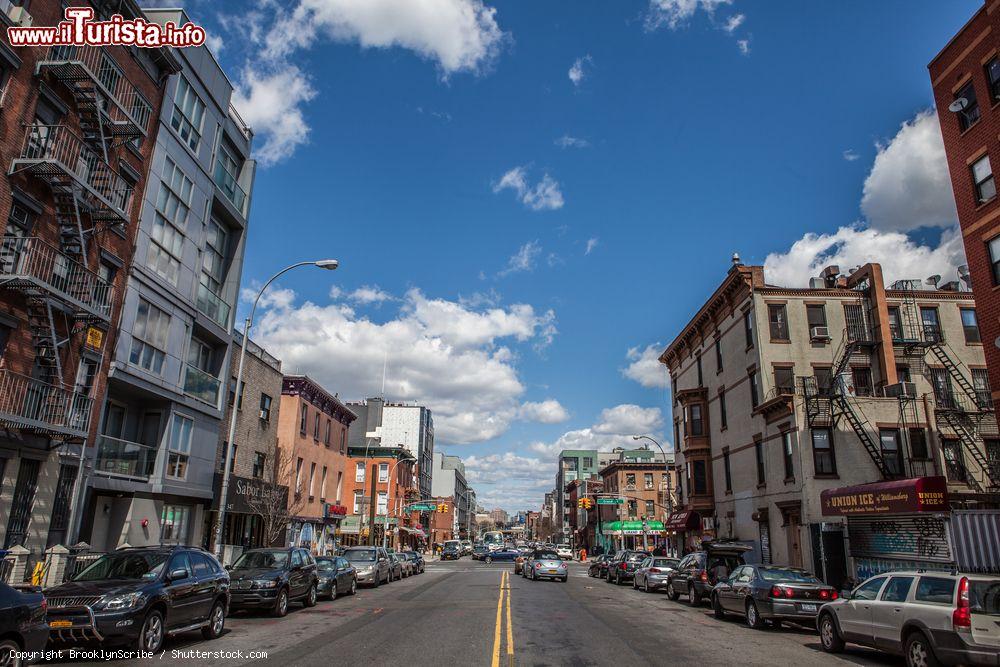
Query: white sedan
pixel 564 552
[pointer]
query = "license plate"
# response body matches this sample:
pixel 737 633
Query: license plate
pixel 811 608
pixel 60 624
pixel 553 571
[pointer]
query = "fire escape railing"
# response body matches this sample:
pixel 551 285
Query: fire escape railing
pixel 39 407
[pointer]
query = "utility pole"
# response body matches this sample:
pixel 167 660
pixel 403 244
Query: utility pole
pixel 371 508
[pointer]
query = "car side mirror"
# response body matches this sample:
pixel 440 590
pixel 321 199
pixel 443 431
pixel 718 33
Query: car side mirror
pixel 229 567
pixel 178 574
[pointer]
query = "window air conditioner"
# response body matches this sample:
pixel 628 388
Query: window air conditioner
pixel 820 333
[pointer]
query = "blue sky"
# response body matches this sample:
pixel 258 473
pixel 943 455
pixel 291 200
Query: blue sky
pixel 520 193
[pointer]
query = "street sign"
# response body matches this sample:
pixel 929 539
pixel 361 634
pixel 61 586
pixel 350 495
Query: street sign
pixel 610 501
pixel 422 507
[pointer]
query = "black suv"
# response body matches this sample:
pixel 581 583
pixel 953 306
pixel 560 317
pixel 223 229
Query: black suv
pixel 698 572
pixel 139 596
pixel 271 578
pixel 622 566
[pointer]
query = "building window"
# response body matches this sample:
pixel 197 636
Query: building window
pixel 170 219
pixel 786 453
pixel 304 419
pixel 677 431
pixel 784 380
pixel 383 503
pixel 298 476
pixel 895 323
pixel 892 453
pixel 322 485
pixel 343 440
pixel 994 248
pixel 174 520
pixel 189 113
pixel 650 509
pixel 312 480
pixel 758 450
pixel 748 327
pixel 700 478
pixel 648 480
pixel 862 378
pixel 778 319
pixel 918 444
pixel 326 438
pixel 824 379
pixel 694 417
pixel 931 325
pixel 970 326
pixel 993 79
pixel 316 426
pixel 359 471
pixel 633 509
pixel 588 462
pixel 358 496
pixel 903 373
pixel 816 317
pixel 213 258
pixel 728 471
pixel 954 462
pixel 981 385
pixel 259 461
pixel 723 418
pixel 265 407
pixel 701 379
pixel 383 473
pixel 824 460
pixel 5 332
pixel 718 355
pixel 149 337
pixel 968 116
pixel 630 481
pixel 85 374
pixel 232 381
pixel 673 390
pixel 982 179
pixel 754 392
pixel 941 383
pixel 179 446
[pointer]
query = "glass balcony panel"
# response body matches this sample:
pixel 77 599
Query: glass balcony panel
pixel 201 385
pixel 122 458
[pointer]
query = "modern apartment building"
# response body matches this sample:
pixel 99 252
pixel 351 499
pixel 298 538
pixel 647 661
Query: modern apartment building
pixel 573 464
pixel 410 427
pixel 784 396
pixel 965 76
pixel 449 481
pixel 312 451
pixel 76 142
pixel 253 470
pixel 153 474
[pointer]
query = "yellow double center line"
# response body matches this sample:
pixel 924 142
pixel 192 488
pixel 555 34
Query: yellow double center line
pixel 501 600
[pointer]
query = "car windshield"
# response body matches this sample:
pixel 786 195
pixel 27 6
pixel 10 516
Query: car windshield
pixel 664 562
pixel 326 564
pixel 545 555
pixel 360 555
pixel 127 566
pixel 984 597
pixel 636 557
pixel 773 575
pixel 255 559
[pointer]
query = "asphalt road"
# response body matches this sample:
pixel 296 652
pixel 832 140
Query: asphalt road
pixel 470 613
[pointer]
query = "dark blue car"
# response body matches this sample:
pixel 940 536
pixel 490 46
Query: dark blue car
pixel 502 554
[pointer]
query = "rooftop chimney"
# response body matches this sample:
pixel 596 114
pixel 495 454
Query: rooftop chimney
pixel 736 259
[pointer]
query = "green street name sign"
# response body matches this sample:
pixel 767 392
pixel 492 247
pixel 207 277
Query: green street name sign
pixel 610 501
pixel 422 507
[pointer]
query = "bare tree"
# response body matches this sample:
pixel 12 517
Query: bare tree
pixel 275 505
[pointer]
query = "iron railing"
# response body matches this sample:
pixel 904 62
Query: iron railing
pixel 69 153
pixel 201 385
pixel 33 405
pixel 30 261
pixel 213 306
pixel 123 458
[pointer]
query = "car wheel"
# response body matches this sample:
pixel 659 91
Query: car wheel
pixel 216 621
pixel 310 599
pixel 489 561
pixel 645 586
pixel 693 598
pixel 333 590
pixel 635 583
pixel 151 635
pixel 918 652
pixel 281 604
pixel 354 586
pixel 753 616
pixel 828 635
pixel 717 609
pixel 378 580
pixel 565 579
pixel 618 578
pixel 671 593
pixel 9 650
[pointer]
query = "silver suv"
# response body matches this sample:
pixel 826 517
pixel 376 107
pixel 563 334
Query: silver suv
pixel 930 618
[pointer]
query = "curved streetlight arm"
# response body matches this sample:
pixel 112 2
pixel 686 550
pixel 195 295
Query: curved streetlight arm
pixel 385 528
pixel 666 463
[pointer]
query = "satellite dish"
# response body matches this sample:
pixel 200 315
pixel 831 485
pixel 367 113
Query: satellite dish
pixel 958 105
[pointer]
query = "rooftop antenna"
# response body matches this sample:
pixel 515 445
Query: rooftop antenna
pixel 933 280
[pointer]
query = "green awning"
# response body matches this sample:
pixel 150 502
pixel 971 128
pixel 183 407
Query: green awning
pixel 632 527
pixel 351 525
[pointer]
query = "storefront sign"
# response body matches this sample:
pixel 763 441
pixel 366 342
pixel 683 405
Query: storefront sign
pixel 248 496
pixel 331 511
pixel 95 338
pixel 904 496
pixel 686 520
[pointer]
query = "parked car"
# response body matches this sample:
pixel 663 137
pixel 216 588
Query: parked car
pixel 22 624
pixel 565 551
pixel 466 548
pixel 395 566
pixel 698 572
pixel 545 564
pixel 272 579
pixel 451 552
pixel 416 560
pixel 652 573
pixel 336 576
pixel 624 564
pixel 930 618
pixel 454 543
pixel 140 596
pixel 599 566
pixel 479 551
pixel 771 594
pixel 371 564
pixel 507 553
pixel 405 569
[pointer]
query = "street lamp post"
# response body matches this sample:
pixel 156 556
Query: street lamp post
pixel 388 486
pixel 329 265
pixel 666 466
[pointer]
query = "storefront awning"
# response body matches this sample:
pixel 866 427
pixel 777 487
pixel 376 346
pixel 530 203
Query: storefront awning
pixel 900 496
pixel 686 520
pixel 414 531
pixel 632 527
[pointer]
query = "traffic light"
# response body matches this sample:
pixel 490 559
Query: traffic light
pixel 442 508
pixel 582 503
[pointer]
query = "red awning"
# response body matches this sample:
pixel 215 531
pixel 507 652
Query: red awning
pixel 686 520
pixel 900 496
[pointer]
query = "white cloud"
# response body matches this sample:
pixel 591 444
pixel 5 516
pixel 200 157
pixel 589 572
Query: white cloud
pixel 456 360
pixel 545 195
pixel 578 70
pixel 510 480
pixel 458 35
pixel 591 245
pixel 566 141
pixel 549 411
pixel 215 44
pixel 900 256
pixel 733 22
pixel 614 428
pixel 675 13
pixel 523 260
pixel 851 155
pixel 270 102
pixel 369 294
pixel 645 367
pixel 627 419
pixel 909 185
pixel 744 46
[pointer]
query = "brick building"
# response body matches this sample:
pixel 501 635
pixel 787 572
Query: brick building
pixel 381 482
pixel 640 479
pixel 312 454
pixel 443 524
pixel 75 141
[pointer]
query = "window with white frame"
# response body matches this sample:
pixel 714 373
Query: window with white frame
pixel 383 503
pixel 322 484
pixel 383 472
pixel 189 114
pixel 298 475
pixel 359 471
pixel 166 236
pixel 149 337
pixel 312 479
pixel 357 502
pixel 179 446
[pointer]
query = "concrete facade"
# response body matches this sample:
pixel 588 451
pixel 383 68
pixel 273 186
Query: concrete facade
pixel 449 481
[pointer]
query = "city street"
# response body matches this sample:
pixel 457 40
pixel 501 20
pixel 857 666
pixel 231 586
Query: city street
pixel 453 614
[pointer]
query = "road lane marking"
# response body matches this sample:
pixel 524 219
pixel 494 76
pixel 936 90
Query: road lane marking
pixel 499 624
pixel 510 627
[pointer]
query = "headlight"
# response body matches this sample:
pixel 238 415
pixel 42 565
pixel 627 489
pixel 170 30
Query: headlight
pixel 264 583
pixel 366 570
pixel 122 601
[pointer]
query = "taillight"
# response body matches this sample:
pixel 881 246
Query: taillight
pixel 834 595
pixel 538 566
pixel 961 618
pixel 45 604
pixel 622 566
pixel 824 595
pixel 703 576
pixel 776 592
pixel 654 570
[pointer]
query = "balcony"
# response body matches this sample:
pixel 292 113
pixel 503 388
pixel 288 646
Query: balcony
pixel 213 306
pixel 31 405
pixel 57 155
pixel 230 187
pixel 121 458
pixel 201 385
pixel 98 83
pixel 31 265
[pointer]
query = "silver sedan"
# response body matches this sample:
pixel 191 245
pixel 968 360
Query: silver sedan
pixel 652 573
pixel 545 564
